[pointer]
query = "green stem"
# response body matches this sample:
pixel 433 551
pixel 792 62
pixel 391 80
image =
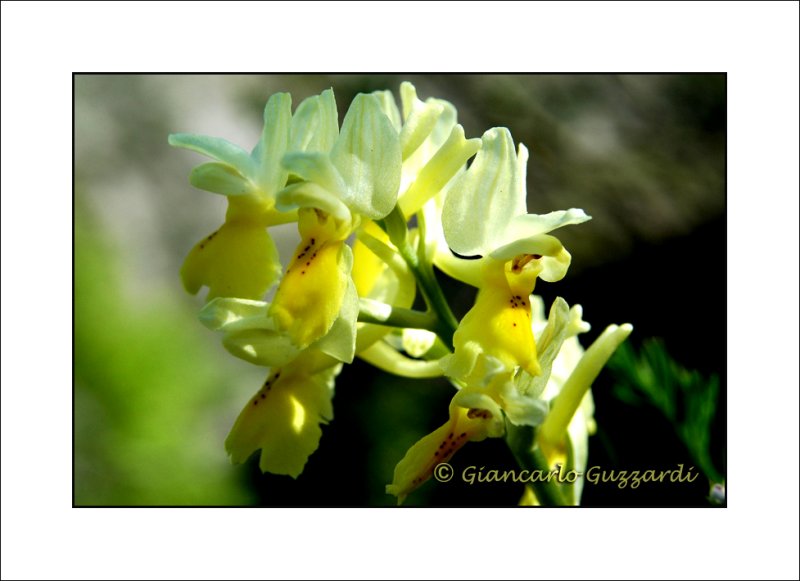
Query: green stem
pixel 438 350
pixel 382 314
pixel 446 323
pixel 437 299
pixel 396 227
pixel 520 440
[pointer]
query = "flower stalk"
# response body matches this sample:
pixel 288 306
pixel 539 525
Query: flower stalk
pixel 371 311
pixel 530 457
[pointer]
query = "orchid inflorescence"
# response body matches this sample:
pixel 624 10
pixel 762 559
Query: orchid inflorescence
pixel 379 202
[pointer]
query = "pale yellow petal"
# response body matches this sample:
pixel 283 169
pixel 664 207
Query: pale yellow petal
pixel 310 296
pixel 238 260
pixel 283 419
pixel 418 464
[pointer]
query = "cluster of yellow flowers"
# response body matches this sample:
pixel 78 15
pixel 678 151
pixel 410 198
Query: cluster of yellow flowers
pixel 350 285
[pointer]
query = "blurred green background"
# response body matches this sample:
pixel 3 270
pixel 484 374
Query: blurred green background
pixel 155 393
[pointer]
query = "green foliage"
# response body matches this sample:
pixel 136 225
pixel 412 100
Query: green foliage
pixel 147 426
pixel 686 398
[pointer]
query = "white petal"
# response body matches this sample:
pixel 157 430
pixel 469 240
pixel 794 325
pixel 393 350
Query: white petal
pixel 529 225
pixel 316 167
pixel 482 202
pixel 221 178
pixel 367 156
pixel 548 346
pixel 216 148
pixel 417 342
pixel 310 195
pixel 420 119
pixel 264 347
pixel 389 108
pixel 315 124
pixel 221 312
pixel 522 410
pixel 439 170
pixel 270 175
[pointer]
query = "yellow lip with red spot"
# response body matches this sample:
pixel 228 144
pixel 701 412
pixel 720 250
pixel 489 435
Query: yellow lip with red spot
pixel 283 418
pixel 416 468
pixel 310 295
pixel 500 320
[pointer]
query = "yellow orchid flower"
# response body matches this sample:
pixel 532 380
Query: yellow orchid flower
pixel 301 382
pixel 464 425
pixel 564 434
pixel 526 400
pixel 310 296
pixel 486 401
pixel 240 259
pixel 484 217
pixel 434 148
pixel 357 179
pixel 378 204
pixel 283 418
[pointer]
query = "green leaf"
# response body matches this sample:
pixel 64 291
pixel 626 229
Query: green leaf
pixel 685 398
pixel 529 225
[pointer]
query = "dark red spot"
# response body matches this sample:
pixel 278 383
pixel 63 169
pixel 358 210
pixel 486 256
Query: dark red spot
pixel 536 256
